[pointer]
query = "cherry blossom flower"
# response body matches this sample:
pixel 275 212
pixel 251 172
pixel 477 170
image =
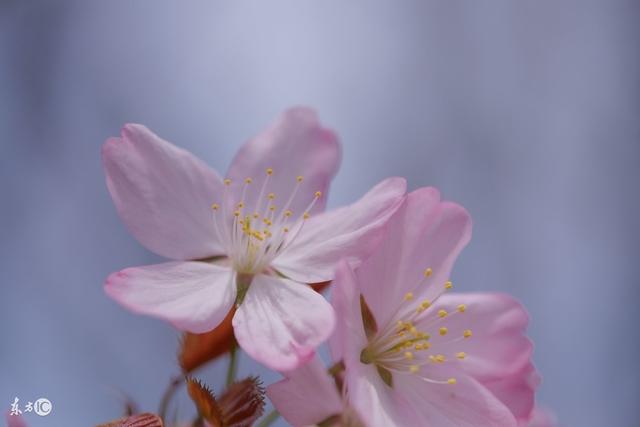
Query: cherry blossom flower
pixel 414 356
pixel 253 238
pixel 310 396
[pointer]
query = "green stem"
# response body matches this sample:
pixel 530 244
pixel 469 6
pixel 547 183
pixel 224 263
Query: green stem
pixel 232 369
pixel 268 419
pixel 168 395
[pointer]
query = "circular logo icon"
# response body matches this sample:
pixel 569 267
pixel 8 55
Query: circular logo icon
pixel 42 407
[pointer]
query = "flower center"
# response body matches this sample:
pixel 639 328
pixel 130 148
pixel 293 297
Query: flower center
pixel 254 229
pixel 413 337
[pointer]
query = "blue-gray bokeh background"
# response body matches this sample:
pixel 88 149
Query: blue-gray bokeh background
pixel 525 112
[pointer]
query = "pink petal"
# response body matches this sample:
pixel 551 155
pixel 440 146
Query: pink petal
pixel 280 322
pixel 498 346
pixel 377 403
pixel 517 391
pixel 351 232
pixel 423 233
pixel 498 354
pixel 193 296
pixel 307 396
pixel 295 145
pixel 349 339
pixel 162 193
pixel 367 392
pixel 466 403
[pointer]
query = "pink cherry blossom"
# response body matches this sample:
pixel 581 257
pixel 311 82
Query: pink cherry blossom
pixel 414 356
pixel 251 239
pixel 307 396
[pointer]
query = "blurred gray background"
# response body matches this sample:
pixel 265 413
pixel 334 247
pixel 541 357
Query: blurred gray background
pixel 525 112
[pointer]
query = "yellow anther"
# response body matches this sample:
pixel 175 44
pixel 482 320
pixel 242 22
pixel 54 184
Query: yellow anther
pixel 272 208
pixel 269 171
pixel 426 345
pixel 256 215
pixel 318 194
pixel 413 330
pixel 306 215
pixel 267 221
pixel 271 196
pixel 288 213
pixel 438 358
pixel 451 381
pixel 408 355
pixel 299 178
pixel 448 285
pixel 461 355
pixel 258 235
pixel 408 296
pixel 227 181
pixel 423 336
pixel 286 229
pixel 418 346
pixel 248 180
pixel 237 213
pixel 240 205
pixel 414 369
pixel 425 304
pixel 442 313
pixel 428 272
pixel 215 206
pixel 443 331
pixel 400 324
pixel 467 333
pixel 462 308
